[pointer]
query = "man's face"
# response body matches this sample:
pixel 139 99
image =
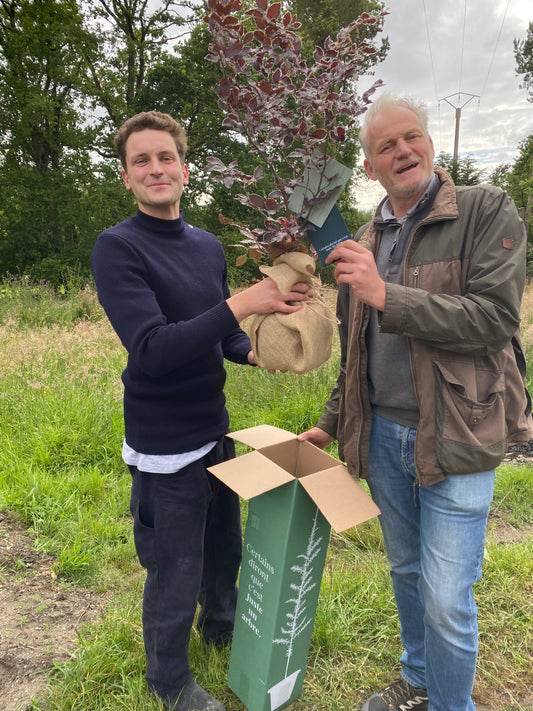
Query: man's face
pixel 155 173
pixel 401 156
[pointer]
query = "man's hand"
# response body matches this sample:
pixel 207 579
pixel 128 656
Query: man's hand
pixel 265 298
pixel 317 437
pixel 355 265
pixel 252 360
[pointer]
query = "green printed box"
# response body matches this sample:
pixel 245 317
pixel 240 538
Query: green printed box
pixel 296 494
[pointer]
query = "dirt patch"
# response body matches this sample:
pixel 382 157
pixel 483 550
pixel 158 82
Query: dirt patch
pixel 502 532
pixel 39 618
pixel 520 453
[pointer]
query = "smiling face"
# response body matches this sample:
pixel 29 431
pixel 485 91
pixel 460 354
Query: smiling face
pixel 400 156
pixel 154 173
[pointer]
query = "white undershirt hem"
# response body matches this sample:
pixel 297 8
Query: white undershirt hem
pixel 163 463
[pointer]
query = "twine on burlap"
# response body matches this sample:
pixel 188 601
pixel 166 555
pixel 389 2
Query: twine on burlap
pixel 300 341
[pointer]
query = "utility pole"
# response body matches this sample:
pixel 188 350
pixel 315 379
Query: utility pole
pixel 461 103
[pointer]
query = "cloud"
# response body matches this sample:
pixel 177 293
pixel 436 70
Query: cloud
pixel 438 51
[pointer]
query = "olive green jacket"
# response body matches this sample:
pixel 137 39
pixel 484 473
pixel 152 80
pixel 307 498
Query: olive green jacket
pixel 459 306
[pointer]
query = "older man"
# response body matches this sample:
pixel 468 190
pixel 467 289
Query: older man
pixel 429 393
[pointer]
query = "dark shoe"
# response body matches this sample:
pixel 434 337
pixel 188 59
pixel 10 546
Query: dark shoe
pixel 399 696
pixel 193 698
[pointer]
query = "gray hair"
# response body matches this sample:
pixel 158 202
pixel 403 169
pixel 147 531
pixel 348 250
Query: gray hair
pixel 386 101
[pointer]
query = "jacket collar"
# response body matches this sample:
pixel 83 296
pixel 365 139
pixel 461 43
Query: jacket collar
pixel 444 205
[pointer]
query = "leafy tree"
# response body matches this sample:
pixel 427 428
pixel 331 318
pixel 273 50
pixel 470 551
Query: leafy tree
pixel 517 180
pixel 523 52
pixel 129 36
pixel 184 86
pixel 70 72
pixel 295 114
pixel 40 47
pixel 41 131
pixel 324 18
pixel 462 170
pixel 53 59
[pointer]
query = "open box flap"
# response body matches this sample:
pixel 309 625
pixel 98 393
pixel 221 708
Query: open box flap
pixel 313 459
pixel 251 474
pixel 299 458
pixel 342 501
pixel 261 436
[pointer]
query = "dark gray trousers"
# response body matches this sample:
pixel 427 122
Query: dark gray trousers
pixel 187 532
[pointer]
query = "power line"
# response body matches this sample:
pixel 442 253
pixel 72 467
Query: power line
pixel 495 48
pixel 462 51
pixel 429 47
pixel 482 94
pixel 431 60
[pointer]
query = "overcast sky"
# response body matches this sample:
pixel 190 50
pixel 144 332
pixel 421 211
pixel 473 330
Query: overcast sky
pixel 460 50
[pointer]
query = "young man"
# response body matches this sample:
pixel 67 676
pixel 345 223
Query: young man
pixel 163 286
pixel 429 393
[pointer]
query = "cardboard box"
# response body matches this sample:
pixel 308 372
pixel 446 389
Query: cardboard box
pixel 296 494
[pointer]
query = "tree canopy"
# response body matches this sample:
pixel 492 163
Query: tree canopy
pixel 324 18
pixel 517 180
pixel 70 72
pixel 463 170
pixel 523 52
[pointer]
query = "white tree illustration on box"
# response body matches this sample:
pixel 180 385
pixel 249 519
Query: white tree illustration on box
pixel 297 619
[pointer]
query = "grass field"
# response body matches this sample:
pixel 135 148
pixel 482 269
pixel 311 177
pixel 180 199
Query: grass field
pixel 61 474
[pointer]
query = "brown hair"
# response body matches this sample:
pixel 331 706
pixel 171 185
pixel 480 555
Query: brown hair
pixel 156 121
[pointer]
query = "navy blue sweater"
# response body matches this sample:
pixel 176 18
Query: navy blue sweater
pixel 163 285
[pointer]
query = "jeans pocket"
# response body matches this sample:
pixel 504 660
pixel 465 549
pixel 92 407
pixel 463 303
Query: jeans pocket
pixel 144 537
pixel 471 435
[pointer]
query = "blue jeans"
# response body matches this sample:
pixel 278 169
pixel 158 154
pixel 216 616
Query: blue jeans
pixel 434 537
pixel 187 531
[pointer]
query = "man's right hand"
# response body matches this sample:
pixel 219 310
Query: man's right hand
pixel 265 298
pixel 356 266
pixel 317 437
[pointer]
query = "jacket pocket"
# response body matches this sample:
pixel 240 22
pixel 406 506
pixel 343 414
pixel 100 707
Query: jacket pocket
pixel 471 433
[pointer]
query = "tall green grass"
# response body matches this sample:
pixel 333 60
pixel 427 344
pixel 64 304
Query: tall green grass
pixel 61 473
